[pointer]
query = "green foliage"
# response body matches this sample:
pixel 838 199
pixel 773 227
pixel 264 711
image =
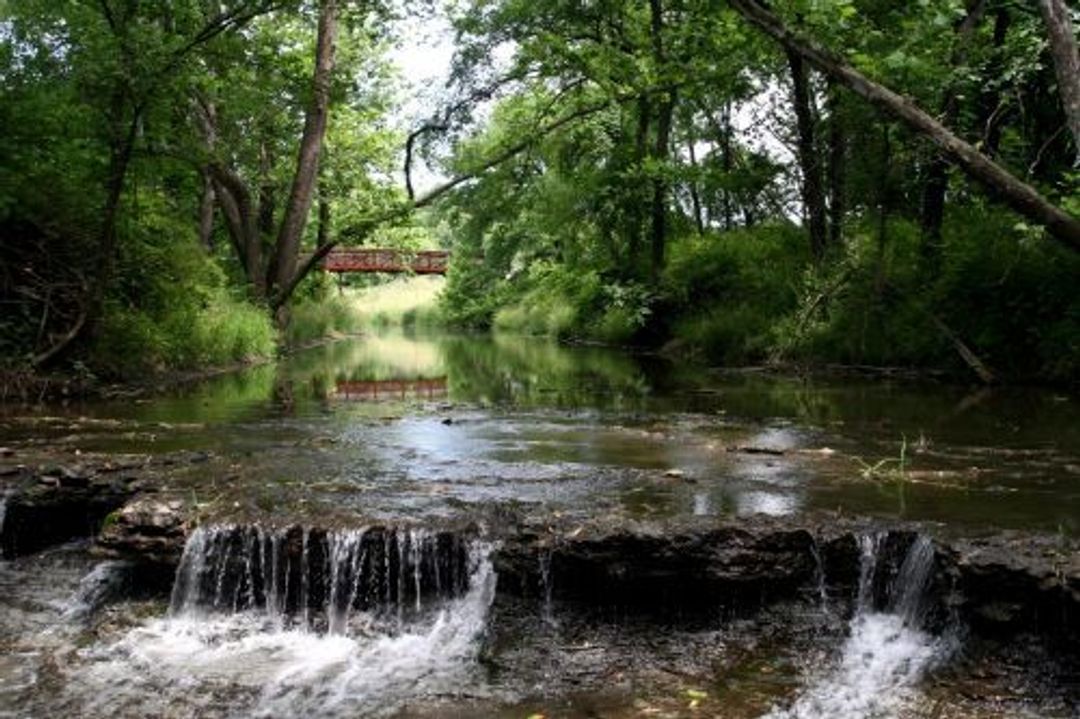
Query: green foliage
pixel 726 290
pixel 171 309
pixel 1010 297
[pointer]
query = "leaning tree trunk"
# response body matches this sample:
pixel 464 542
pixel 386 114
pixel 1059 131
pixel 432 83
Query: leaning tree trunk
pixel 298 205
pixel 1066 62
pixel 813 194
pixel 1014 192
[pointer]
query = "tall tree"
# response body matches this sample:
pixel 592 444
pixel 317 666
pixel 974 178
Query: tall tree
pixel 298 204
pixel 1066 63
pixel 1019 195
pixel 810 165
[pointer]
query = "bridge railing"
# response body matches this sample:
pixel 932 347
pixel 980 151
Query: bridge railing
pixel 424 262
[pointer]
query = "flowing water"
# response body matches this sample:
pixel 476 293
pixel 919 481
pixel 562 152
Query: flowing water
pixel 888 650
pixel 386 439
pixel 254 651
pixel 402 427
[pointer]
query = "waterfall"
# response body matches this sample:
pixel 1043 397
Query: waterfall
pixel 100 585
pixel 238 620
pixel 888 649
pixel 3 511
pixel 547 585
pixel 819 574
pixel 322 581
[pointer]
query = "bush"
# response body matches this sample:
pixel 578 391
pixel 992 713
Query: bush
pixel 170 309
pixel 1006 292
pixel 725 292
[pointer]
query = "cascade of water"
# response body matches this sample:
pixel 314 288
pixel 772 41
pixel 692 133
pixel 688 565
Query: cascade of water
pixel 546 585
pixel 869 549
pixel 3 511
pixel 319 580
pixel 97 587
pixel 819 573
pixel 887 651
pixel 186 659
pixel 908 597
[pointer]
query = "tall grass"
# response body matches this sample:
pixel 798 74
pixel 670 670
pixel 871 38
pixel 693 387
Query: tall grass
pixel 319 318
pixel 223 331
pixel 402 302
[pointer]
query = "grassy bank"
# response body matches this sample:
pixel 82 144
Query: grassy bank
pixel 401 302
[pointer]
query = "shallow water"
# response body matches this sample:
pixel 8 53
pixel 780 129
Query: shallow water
pixel 402 428
pixel 405 426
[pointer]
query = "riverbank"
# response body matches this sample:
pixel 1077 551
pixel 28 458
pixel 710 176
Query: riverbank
pixel 23 387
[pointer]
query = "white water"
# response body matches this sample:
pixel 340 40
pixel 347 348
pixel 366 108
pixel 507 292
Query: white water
pixel 95 588
pixel 886 653
pixel 251 664
pixel 3 511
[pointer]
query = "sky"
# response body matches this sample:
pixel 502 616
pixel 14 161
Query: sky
pixel 423 57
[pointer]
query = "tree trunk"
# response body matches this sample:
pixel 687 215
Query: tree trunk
pixel 1017 194
pixel 936 186
pixel 695 196
pixel 660 186
pixel 120 153
pixel 813 196
pixel 884 207
pixel 661 150
pixel 990 102
pixel 322 238
pixel 641 151
pixel 266 208
pixel 837 168
pixel 1066 63
pixel 298 205
pixel 728 164
pixel 242 220
pixel 206 212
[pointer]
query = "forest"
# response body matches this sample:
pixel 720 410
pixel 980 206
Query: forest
pixel 796 182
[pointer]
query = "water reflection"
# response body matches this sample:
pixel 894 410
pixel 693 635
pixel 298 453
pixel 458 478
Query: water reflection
pixel 411 424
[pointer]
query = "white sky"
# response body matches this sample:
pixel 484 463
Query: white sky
pixel 423 57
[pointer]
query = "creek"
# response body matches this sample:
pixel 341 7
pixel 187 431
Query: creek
pixel 443 526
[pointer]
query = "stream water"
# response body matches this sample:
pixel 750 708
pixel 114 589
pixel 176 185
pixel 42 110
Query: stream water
pixel 409 432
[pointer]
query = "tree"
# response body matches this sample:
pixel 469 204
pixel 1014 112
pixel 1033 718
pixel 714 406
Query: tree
pixel 1019 195
pixel 1066 63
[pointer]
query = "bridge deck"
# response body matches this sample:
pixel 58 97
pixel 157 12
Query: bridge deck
pixel 426 262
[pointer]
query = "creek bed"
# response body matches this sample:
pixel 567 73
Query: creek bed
pixel 530 450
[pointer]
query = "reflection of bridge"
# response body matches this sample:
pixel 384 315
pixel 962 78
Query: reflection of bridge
pixel 375 390
pixel 426 262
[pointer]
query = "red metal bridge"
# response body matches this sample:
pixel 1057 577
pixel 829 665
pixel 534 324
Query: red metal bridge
pixel 390 389
pixel 425 262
